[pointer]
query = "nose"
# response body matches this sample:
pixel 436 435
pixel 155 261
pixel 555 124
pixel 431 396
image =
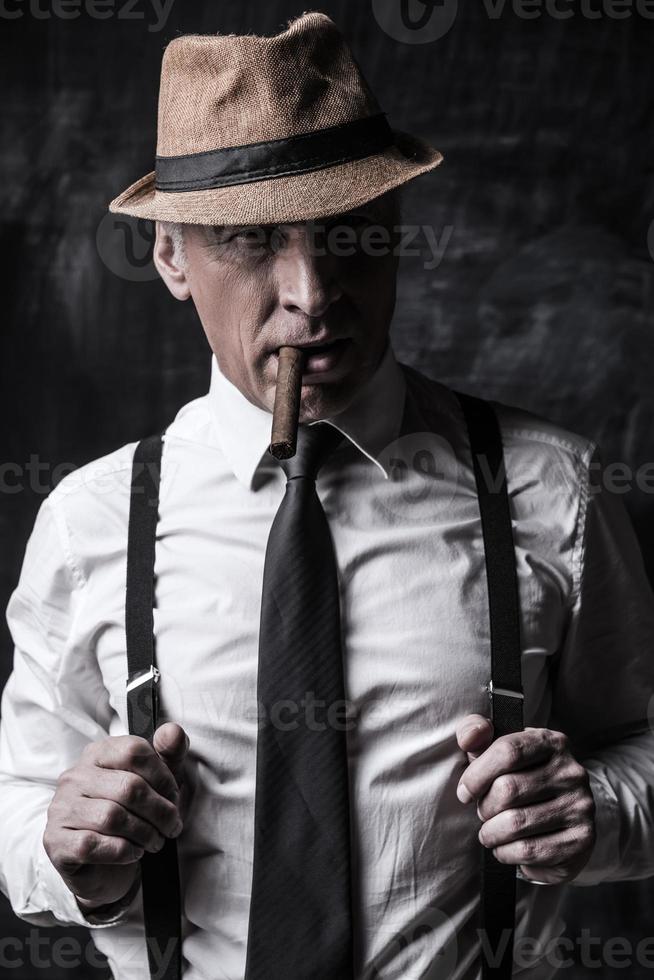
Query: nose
pixel 307 280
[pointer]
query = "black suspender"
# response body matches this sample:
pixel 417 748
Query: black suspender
pixel 505 684
pixel 159 872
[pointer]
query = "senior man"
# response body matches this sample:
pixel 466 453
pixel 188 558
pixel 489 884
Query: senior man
pixel 359 856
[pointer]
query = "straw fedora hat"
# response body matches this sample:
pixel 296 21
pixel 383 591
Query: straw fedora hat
pixel 264 130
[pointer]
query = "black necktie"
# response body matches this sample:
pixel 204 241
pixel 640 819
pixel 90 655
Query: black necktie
pixel 300 924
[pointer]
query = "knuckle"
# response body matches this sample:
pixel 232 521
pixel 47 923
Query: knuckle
pixel 586 832
pixel 586 806
pixel 528 850
pixel 517 821
pixel 122 849
pixel 82 848
pixel 582 776
pixel 156 841
pixel 50 843
pixel 134 751
pixel 131 789
pixel 110 818
pixel 512 752
pixel 576 772
pixel 67 777
pixel 558 740
pixel 506 789
pixel 55 852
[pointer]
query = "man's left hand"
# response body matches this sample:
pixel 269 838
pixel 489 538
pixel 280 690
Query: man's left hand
pixel 533 797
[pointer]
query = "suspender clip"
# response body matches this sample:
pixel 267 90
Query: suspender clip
pixel 143 702
pixel 505 691
pixel 143 676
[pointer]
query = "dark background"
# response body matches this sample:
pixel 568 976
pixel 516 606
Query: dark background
pixel 544 297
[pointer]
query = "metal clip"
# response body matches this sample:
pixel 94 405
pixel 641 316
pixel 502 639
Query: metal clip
pixel 507 692
pixel 151 674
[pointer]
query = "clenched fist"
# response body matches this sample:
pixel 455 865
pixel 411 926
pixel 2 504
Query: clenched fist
pixel 533 798
pixel 121 799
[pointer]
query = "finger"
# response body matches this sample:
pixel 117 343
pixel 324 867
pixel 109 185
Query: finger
pixel 529 821
pixel 519 789
pixel 474 735
pixel 547 850
pixel 79 848
pixel 131 753
pixel 508 753
pixel 131 791
pixel 113 820
pixel 172 743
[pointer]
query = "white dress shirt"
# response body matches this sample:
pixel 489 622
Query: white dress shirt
pixel 403 512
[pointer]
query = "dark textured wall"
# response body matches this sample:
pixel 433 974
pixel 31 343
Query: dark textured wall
pixel 544 295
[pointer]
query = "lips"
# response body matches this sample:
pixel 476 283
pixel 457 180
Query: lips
pixel 321 358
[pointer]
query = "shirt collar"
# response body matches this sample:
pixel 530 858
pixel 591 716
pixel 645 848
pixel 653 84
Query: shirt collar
pixel 371 421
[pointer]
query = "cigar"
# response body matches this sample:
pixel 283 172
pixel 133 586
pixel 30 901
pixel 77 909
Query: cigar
pixel 287 403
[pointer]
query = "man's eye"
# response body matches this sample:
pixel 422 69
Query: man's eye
pixel 264 238
pixel 251 236
pixel 248 236
pixel 240 236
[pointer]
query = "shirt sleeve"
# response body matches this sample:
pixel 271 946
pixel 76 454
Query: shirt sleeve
pixel 603 680
pixel 53 705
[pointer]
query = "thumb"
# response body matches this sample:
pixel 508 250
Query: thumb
pixel 171 743
pixel 474 735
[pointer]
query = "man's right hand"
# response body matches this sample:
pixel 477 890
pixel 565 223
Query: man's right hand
pixel 119 800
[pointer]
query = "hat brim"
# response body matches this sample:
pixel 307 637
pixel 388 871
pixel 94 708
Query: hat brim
pixel 299 197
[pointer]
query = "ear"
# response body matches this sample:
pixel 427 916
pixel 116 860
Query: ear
pixel 169 264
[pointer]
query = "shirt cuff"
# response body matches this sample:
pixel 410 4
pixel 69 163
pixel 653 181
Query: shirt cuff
pixel 531 881
pixel 108 915
pixel 52 895
pixel 604 860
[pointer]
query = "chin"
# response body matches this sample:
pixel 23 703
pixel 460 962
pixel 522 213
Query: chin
pixel 324 400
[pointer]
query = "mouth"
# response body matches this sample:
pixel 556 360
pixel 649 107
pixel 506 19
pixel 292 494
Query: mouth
pixel 321 359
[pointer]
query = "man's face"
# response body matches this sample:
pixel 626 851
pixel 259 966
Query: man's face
pixel 330 282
